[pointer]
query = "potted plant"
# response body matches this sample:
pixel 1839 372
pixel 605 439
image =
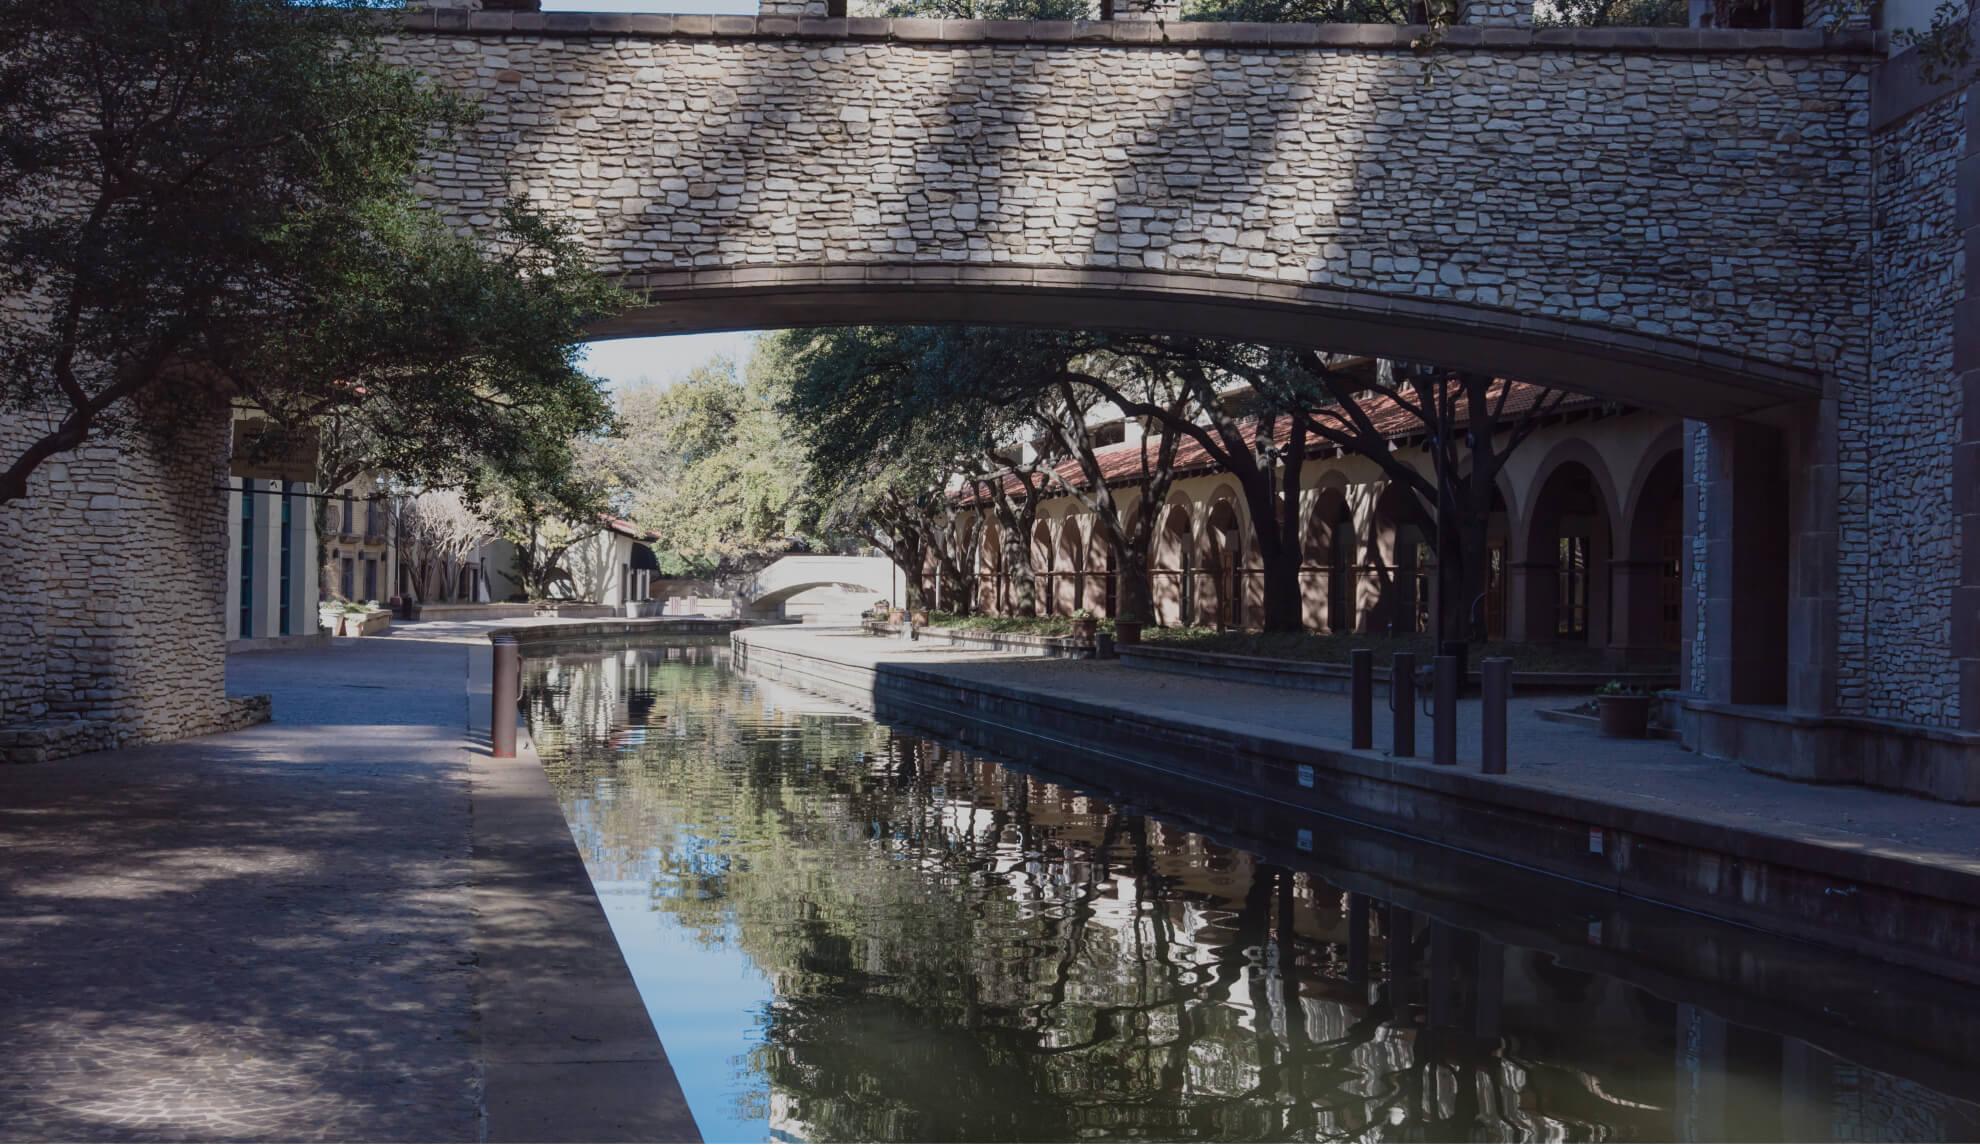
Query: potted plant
pixel 1624 710
pixel 1086 623
pixel 1127 630
pixel 920 617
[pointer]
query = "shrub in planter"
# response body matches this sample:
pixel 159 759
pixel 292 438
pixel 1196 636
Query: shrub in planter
pixel 920 616
pixel 1624 711
pixel 1086 624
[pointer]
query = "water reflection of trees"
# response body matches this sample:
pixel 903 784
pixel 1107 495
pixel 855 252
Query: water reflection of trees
pixel 962 951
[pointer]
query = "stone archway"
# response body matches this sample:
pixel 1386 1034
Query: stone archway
pixel 1570 541
pixel 1172 574
pixel 1331 552
pixel 1222 588
pixel 1069 596
pixel 1648 572
pixel 1043 556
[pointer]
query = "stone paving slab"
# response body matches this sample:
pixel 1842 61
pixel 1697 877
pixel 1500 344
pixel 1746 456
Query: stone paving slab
pixel 1563 758
pixel 278 933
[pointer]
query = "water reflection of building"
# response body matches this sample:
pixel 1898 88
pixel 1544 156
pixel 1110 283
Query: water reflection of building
pixel 1040 960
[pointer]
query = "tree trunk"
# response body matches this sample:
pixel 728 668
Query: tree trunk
pixel 1283 605
pixel 1017 566
pixel 1131 565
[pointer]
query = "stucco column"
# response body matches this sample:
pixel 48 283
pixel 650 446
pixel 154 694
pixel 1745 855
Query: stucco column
pixel 1496 13
pixel 1638 612
pixel 1533 596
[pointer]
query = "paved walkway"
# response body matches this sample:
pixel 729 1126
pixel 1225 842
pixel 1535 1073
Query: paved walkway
pixel 335 926
pixel 1559 757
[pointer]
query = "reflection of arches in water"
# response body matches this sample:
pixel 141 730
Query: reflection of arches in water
pixel 1330 545
pixel 639 705
pixel 1567 985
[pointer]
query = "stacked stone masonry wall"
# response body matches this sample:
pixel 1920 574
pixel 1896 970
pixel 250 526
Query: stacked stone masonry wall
pixel 1700 197
pixel 110 618
pixel 1900 544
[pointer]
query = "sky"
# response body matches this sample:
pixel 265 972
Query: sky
pixel 624 362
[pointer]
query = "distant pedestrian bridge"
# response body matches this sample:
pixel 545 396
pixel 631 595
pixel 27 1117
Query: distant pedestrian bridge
pixel 858 581
pixel 1672 216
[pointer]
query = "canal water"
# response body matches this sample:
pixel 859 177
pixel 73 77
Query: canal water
pixel 850 931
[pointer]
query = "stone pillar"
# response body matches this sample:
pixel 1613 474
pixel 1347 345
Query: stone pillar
pixel 1966 451
pixel 1496 13
pixel 1533 596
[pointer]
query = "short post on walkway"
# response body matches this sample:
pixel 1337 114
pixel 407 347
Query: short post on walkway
pixel 1443 723
pixel 1361 695
pixel 1402 704
pixel 1496 677
pixel 502 695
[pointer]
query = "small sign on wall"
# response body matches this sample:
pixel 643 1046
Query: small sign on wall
pixel 264 451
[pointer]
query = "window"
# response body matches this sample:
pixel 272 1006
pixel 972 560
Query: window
pixel 1571 619
pixel 348 581
pixel 371 580
pixel 371 516
pixel 288 550
pixel 347 513
pixel 247 558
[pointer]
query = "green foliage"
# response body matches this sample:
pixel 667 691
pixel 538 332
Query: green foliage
pixel 1944 46
pixel 711 465
pixel 1304 11
pixel 1612 13
pixel 213 200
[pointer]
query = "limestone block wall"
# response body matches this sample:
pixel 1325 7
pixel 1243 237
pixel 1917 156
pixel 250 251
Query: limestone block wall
pixel 1710 197
pixel 1900 530
pixel 110 617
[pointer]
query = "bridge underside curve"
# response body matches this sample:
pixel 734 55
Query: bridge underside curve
pixel 779 596
pixel 1658 373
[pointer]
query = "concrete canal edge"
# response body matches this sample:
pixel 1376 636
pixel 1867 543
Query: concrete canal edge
pixel 567 1049
pixel 1811 885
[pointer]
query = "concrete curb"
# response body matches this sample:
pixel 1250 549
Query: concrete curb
pixel 566 1048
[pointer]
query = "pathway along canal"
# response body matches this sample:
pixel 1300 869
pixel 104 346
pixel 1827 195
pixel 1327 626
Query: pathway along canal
pixel 846 931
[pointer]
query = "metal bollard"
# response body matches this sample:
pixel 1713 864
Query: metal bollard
pixel 1361 698
pixel 1496 672
pixel 1443 724
pixel 506 689
pixel 1402 704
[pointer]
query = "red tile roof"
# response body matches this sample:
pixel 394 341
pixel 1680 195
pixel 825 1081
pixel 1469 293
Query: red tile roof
pixel 1123 462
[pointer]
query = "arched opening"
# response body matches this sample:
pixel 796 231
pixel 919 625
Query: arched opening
pixel 1649 574
pixel 1223 565
pixel 1070 596
pixel 1042 554
pixel 1330 552
pixel 1398 556
pixel 991 595
pixel 1171 580
pixel 1567 567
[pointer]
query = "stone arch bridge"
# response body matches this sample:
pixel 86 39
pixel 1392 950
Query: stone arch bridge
pixel 1675 222
pixel 1758 230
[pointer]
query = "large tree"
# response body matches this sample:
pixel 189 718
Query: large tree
pixel 204 201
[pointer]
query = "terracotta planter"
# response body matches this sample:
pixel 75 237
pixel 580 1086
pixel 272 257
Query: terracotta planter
pixel 1086 629
pixel 897 616
pixel 1127 631
pixel 1625 717
pixel 921 618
